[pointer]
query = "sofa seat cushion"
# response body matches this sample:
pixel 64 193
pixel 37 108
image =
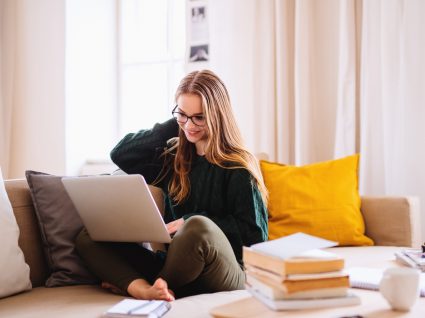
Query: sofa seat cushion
pixel 91 301
pixel 69 301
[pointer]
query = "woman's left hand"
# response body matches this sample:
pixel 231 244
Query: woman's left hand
pixel 174 226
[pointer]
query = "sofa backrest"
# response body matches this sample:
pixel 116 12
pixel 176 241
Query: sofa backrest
pixel 29 238
pixel 393 221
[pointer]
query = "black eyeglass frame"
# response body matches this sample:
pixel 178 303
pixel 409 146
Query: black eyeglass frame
pixel 187 117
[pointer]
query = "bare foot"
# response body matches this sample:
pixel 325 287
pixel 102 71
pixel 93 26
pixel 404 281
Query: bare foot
pixel 141 289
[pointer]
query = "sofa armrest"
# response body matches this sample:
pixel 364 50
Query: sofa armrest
pixel 392 221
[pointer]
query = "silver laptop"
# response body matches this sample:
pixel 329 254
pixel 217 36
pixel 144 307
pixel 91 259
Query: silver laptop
pixel 117 208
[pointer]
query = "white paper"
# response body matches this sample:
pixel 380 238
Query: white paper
pixel 292 245
pixel 369 278
pixel 316 253
pixel 317 275
pixel 145 310
pixel 135 307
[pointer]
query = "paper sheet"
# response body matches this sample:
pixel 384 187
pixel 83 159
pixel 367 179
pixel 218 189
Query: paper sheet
pixel 292 245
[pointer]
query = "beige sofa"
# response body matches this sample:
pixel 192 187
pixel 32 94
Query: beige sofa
pixel 390 222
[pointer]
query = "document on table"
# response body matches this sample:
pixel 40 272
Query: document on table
pixel 294 245
pixel 369 278
pixel 139 308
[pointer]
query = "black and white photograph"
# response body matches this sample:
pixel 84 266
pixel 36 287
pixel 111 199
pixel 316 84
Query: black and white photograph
pixel 199 53
pixel 198 14
pixel 198 24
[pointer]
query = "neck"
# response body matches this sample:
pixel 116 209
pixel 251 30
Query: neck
pixel 200 148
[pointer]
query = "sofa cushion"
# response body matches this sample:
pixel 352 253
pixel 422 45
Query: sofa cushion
pixel 15 273
pixel 92 301
pixel 29 237
pixel 88 301
pixel 320 199
pixel 59 225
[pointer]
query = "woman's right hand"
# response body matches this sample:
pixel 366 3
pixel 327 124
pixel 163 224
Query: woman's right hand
pixel 174 226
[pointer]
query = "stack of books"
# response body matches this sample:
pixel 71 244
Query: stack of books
pixel 310 279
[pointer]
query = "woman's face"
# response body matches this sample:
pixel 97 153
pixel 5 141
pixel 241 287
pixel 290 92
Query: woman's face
pixel 191 105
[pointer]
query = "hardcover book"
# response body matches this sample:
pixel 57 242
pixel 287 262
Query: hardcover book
pixel 281 279
pixel 298 253
pixel 294 304
pixel 294 286
pixel 275 293
pixel 303 264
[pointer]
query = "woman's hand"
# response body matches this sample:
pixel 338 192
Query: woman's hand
pixel 174 226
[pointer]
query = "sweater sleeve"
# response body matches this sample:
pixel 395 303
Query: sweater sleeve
pixel 141 152
pixel 245 222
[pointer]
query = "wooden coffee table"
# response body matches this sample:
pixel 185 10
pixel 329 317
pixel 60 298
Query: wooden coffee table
pixel 372 305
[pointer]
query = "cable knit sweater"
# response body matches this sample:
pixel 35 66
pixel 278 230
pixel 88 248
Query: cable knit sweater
pixel 229 197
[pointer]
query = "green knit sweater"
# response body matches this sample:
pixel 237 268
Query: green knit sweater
pixel 229 197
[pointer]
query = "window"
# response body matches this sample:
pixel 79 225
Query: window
pixel 124 59
pixel 151 50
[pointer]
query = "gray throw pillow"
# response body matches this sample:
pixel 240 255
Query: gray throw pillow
pixel 59 225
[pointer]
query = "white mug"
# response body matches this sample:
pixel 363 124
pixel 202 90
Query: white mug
pixel 400 287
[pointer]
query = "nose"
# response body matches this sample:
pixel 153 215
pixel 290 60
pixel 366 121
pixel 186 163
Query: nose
pixel 189 123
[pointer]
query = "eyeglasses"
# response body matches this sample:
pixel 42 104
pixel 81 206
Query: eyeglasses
pixel 198 120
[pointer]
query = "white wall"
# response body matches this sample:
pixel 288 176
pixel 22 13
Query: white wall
pixel 62 116
pixel 39 108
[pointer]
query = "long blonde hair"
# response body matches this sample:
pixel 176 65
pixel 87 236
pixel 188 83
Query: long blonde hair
pixel 224 144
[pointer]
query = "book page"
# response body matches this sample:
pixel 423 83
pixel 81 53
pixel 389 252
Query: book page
pixel 317 254
pixel 292 245
pixel 317 275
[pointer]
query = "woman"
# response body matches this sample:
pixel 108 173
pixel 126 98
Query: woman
pixel 215 200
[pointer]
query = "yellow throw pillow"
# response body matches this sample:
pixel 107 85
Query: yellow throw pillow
pixel 320 199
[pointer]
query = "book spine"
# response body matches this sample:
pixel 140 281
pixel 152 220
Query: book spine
pixel 272 264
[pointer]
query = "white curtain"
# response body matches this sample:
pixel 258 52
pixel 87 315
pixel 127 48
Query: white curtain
pixel 317 80
pixel 291 70
pixel 393 98
pixel 7 72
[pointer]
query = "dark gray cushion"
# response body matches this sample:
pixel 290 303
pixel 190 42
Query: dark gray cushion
pixel 59 225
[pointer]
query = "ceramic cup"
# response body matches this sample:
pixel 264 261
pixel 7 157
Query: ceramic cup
pixel 400 287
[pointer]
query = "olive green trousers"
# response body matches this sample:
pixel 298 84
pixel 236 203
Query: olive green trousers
pixel 199 259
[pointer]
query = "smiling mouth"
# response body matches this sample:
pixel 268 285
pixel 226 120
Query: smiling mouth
pixel 192 132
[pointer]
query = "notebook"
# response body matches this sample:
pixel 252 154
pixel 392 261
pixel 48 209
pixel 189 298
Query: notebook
pixel 138 308
pixel 117 208
pixel 369 278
